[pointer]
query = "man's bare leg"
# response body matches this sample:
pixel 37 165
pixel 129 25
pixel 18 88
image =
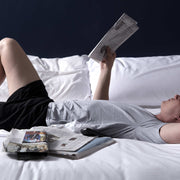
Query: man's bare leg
pixel 15 65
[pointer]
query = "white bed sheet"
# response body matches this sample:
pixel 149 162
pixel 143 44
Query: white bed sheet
pixel 126 160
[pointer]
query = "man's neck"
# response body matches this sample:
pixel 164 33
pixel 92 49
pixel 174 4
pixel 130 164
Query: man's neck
pixel 160 117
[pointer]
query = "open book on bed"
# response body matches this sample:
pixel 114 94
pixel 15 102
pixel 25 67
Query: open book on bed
pixel 29 144
pixel 115 37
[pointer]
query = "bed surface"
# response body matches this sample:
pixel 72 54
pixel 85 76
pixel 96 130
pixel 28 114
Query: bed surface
pixel 127 159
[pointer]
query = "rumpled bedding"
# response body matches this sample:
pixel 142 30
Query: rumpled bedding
pixel 72 78
pixel 126 159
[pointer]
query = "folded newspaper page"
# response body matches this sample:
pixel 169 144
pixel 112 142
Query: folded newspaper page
pixel 62 139
pixel 91 147
pixel 58 139
pixel 39 141
pixel 115 37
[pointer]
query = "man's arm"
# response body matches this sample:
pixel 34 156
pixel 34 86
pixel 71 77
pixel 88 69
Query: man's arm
pixel 170 133
pixel 102 89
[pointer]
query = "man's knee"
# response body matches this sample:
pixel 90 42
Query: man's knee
pixel 5 42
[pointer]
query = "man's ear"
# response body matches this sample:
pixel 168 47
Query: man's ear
pixel 178 119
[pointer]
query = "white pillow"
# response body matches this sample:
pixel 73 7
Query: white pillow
pixel 145 81
pixel 64 78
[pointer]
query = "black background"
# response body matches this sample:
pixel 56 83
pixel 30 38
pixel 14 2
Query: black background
pixel 57 28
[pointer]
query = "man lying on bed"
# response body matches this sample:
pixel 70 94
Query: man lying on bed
pixel 29 104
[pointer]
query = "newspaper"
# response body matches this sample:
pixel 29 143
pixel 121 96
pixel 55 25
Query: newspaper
pixel 40 141
pixel 62 139
pixel 59 139
pixel 91 147
pixel 115 37
pixel 16 136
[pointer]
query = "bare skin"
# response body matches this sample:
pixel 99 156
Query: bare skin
pixel 170 113
pixel 102 89
pixel 15 65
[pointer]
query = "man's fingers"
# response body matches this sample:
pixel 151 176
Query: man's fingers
pixel 114 54
pixel 109 50
pixel 109 53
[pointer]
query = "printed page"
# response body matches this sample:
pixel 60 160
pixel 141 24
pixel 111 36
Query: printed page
pixel 62 139
pixel 115 37
pixel 35 137
pixel 16 136
pixel 59 138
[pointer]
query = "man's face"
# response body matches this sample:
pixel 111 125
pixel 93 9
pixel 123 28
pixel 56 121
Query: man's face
pixel 171 109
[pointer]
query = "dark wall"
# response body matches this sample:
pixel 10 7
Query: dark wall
pixel 51 28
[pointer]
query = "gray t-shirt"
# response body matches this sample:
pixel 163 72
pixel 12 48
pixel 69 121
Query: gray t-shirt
pixel 111 118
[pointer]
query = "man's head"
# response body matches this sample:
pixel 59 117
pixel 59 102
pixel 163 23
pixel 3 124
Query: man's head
pixel 170 110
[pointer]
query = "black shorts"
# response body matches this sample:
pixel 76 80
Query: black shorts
pixel 25 108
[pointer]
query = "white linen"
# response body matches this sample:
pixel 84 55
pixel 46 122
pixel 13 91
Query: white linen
pixel 127 160
pixel 64 78
pixel 145 81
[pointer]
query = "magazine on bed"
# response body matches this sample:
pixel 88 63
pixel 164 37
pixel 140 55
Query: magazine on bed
pixel 29 144
pixel 26 141
pixel 115 37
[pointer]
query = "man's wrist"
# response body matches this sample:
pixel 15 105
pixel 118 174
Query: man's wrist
pixel 105 71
